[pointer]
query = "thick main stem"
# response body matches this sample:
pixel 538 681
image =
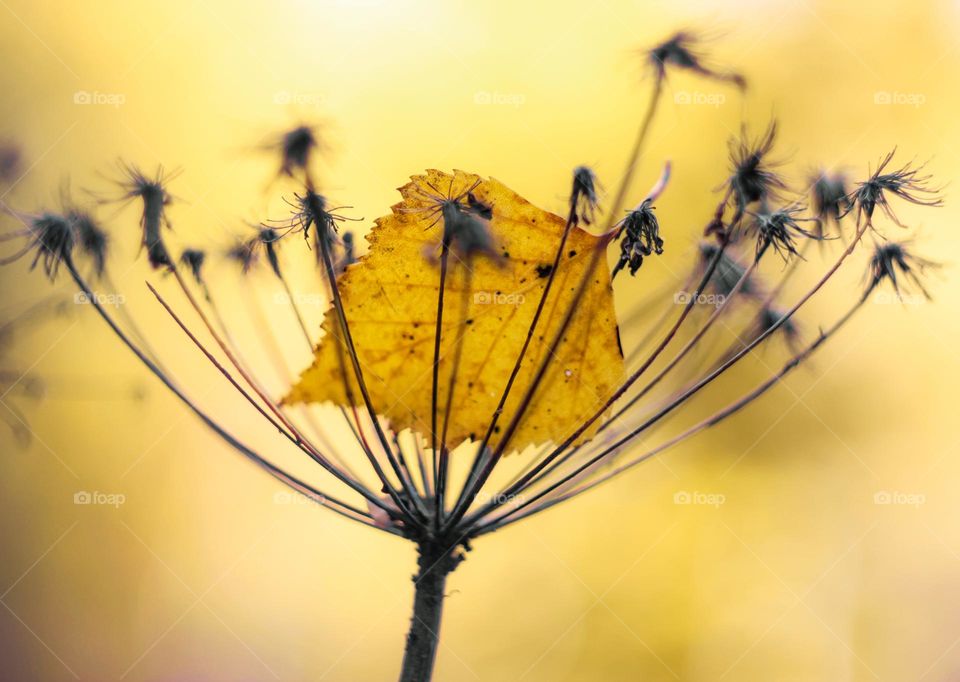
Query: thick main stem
pixel 436 561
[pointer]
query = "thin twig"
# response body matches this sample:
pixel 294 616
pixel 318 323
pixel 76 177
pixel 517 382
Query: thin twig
pixel 712 420
pixel 325 500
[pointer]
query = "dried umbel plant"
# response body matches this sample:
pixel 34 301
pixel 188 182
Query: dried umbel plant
pixel 406 355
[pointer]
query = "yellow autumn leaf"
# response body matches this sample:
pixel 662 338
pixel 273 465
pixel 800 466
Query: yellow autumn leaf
pixel 390 302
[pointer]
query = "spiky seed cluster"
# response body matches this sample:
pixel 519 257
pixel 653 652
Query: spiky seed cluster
pixel 155 200
pixel 478 207
pixel 554 476
pixel 727 273
pixel 242 253
pixel 768 317
pixel 753 179
pixel 466 232
pixel 584 196
pixel 92 240
pixel 905 182
pixel 640 237
pixel 311 210
pixel 265 242
pixel 53 238
pixel 681 50
pixel 349 256
pixel 269 238
pixel 893 262
pixel 780 229
pixel 194 260
pixel 313 213
pixel 296 148
pixel 831 200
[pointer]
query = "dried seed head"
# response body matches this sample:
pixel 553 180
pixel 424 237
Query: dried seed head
pixel 831 199
pixel 769 316
pixel 466 233
pixel 152 192
pixel 92 240
pixel 716 228
pixel 727 273
pixel 296 147
pixel 682 50
pixel 478 207
pixel 312 212
pixel 247 252
pixel 269 238
pixel 348 257
pixel 640 234
pixel 583 197
pixel 753 178
pixel 906 183
pixel 466 221
pixel 51 237
pixel 893 262
pixel 242 252
pixel 193 259
pixel 780 229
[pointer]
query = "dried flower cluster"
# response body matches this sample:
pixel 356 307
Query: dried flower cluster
pixel 407 490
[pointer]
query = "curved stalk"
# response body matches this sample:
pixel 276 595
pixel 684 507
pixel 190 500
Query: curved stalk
pixel 712 420
pixel 338 507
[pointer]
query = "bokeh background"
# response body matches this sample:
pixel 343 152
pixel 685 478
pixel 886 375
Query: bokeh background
pixel 803 573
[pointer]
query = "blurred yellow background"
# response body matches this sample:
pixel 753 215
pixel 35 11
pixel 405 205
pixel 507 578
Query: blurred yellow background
pixel 201 575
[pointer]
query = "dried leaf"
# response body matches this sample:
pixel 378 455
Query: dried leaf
pixel 390 300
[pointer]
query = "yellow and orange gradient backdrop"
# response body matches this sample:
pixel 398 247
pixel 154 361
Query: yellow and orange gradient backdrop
pixel 835 554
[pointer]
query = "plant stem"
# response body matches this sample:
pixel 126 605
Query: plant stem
pixel 316 209
pixel 696 387
pixel 712 420
pixel 691 344
pixel 321 498
pixel 436 561
pixel 439 457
